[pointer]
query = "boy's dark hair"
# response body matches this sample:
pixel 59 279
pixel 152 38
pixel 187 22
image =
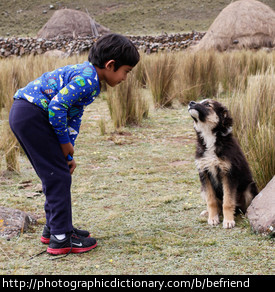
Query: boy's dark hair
pixel 113 47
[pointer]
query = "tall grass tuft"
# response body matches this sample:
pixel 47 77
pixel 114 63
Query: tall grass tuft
pixel 126 104
pixel 160 70
pixel 10 81
pixel 254 115
pixel 196 76
pixel 102 126
pixel 236 67
pixel 11 149
pixel 140 70
pixel 206 74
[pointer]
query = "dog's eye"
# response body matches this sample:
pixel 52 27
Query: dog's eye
pixel 207 104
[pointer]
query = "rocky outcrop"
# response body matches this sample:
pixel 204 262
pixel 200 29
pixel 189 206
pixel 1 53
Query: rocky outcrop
pixel 13 222
pixel 19 46
pixel 261 212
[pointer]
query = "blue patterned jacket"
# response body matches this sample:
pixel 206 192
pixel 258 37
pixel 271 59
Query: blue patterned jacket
pixel 64 93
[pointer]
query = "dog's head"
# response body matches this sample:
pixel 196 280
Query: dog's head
pixel 210 115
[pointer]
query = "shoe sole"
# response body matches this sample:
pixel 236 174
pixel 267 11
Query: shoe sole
pixel 46 240
pixel 65 250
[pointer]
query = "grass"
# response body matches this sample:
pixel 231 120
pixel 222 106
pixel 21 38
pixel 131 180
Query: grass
pixel 140 17
pixel 141 199
pixel 255 127
pixel 126 103
pixel 160 70
pixel 206 74
pixel 197 75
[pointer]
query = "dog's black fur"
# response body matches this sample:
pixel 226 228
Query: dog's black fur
pixel 224 172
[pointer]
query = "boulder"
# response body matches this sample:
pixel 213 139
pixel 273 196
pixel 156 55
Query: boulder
pixel 261 212
pixel 13 222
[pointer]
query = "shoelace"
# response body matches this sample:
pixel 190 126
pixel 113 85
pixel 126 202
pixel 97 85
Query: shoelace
pixel 59 257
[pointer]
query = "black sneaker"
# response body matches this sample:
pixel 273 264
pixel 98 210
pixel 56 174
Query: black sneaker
pixel 45 238
pixel 71 244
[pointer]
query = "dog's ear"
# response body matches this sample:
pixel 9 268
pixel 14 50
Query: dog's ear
pixel 227 121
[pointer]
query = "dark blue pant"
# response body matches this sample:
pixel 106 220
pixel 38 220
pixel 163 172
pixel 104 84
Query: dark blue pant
pixel 31 126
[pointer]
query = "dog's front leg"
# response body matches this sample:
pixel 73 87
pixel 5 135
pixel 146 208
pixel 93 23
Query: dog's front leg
pixel 229 204
pixel 212 204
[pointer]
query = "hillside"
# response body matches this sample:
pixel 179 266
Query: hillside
pixel 143 17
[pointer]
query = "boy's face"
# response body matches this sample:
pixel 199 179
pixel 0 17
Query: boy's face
pixel 113 77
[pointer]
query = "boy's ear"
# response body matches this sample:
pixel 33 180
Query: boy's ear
pixel 110 64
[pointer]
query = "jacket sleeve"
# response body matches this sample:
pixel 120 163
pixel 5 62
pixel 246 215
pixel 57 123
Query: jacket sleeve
pixel 74 125
pixel 60 116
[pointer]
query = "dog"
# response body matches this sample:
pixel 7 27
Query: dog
pixel 226 180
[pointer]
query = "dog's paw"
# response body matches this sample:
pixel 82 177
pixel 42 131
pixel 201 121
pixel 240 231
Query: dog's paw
pixel 228 224
pixel 214 220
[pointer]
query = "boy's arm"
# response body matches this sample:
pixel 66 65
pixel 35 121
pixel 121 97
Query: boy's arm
pixel 61 104
pixel 67 149
pixel 74 125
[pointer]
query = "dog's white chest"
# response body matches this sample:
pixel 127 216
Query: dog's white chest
pixel 210 161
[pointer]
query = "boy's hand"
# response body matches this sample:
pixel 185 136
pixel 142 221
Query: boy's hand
pixel 72 166
pixel 67 148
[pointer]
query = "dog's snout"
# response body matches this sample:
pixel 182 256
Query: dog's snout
pixel 192 103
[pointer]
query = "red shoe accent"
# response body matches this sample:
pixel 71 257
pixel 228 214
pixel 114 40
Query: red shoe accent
pixel 45 240
pixel 65 250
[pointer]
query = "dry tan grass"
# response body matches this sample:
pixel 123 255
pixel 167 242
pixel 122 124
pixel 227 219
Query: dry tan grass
pixel 196 75
pixel 126 104
pixel 254 116
pixel 160 70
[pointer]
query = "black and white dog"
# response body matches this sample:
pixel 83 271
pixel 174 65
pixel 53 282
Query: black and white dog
pixel 227 183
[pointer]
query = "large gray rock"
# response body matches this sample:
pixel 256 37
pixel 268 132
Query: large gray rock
pixel 14 222
pixel 261 212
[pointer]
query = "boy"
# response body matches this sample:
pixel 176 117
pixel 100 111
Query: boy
pixel 45 118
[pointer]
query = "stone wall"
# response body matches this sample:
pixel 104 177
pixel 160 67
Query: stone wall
pixel 19 46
